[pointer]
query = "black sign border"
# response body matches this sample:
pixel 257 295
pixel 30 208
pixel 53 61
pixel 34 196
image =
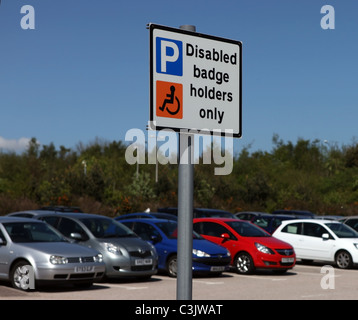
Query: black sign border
pixel 152 126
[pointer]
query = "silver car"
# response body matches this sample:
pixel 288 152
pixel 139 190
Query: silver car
pixel 32 252
pixel 124 253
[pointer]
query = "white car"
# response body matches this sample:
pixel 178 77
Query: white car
pixel 323 240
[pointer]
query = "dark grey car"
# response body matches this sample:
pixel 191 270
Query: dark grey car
pixel 31 252
pixel 124 253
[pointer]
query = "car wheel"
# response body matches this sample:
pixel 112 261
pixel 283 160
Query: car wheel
pixel 343 260
pixel 244 264
pixel 20 276
pixel 172 267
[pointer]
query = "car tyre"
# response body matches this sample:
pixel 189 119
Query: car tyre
pixel 172 266
pixel 244 264
pixel 20 276
pixel 343 260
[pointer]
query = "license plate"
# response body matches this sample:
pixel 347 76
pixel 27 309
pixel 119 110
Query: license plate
pixel 143 262
pixel 287 260
pixel 84 269
pixel 216 269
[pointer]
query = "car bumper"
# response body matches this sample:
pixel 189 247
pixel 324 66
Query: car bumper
pixel 211 265
pixel 70 272
pixel 274 261
pixel 122 266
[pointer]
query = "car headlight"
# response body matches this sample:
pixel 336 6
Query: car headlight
pixel 263 248
pixel 228 253
pixel 356 245
pixel 112 248
pixel 58 260
pixel 200 253
pixel 98 258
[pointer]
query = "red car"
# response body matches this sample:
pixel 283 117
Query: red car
pixel 250 246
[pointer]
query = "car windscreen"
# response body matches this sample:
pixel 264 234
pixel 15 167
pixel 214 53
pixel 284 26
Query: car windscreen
pixel 342 231
pixel 170 229
pixel 107 228
pixel 247 229
pixel 20 232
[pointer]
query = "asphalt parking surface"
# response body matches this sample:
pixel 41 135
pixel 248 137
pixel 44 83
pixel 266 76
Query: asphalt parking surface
pixel 303 282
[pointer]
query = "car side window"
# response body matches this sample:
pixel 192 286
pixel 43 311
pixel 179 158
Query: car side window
pixel 213 229
pixel 313 230
pixel 68 226
pixel 51 220
pixel 2 237
pixel 293 228
pixel 261 222
pixel 145 231
pixel 353 223
pixel 276 223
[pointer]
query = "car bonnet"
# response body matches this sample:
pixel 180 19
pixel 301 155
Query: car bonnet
pixel 271 242
pixel 208 247
pixel 128 243
pixel 56 248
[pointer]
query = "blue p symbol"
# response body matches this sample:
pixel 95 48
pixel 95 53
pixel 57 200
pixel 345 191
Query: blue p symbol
pixel 169 58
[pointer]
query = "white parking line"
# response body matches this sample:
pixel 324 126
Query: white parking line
pixel 208 282
pixel 280 278
pixel 113 285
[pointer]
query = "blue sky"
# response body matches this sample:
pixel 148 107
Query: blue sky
pixel 84 71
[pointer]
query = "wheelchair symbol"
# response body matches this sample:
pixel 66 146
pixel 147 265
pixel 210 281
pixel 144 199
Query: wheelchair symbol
pixel 170 100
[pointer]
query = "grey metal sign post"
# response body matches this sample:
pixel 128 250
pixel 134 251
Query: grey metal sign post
pixel 195 84
pixel 185 211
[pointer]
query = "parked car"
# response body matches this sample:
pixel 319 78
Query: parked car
pixel 322 240
pixel 270 222
pixel 248 215
pixel 200 212
pixel 124 253
pixel 351 221
pixel 299 214
pixel 33 252
pixel 207 257
pixel 145 215
pixel 250 246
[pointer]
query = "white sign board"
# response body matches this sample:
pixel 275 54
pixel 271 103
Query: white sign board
pixel 195 81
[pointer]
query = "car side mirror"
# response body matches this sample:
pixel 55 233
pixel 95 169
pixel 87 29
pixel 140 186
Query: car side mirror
pixel 225 237
pixel 155 239
pixel 76 236
pixel 2 242
pixel 325 236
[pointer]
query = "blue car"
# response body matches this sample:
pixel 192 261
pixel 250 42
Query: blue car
pixel 207 256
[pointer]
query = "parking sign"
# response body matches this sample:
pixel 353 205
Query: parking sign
pixel 195 82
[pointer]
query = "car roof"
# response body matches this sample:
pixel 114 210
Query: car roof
pixel 219 219
pixel 154 220
pixel 210 210
pixel 319 221
pixel 73 215
pixel 149 214
pixel 275 216
pixel 348 217
pixel 251 212
pixel 17 219
pixel 295 212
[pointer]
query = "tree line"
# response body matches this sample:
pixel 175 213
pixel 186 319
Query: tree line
pixel 306 175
